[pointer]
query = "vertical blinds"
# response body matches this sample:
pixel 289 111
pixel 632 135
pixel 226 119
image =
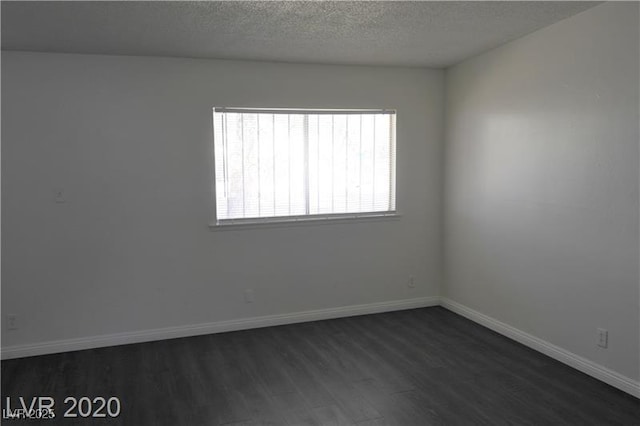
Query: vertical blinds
pixel 278 163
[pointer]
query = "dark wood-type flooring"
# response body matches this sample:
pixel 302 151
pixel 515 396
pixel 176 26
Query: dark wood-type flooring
pixel 416 367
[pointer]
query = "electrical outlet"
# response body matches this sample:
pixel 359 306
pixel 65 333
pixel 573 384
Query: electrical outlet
pixel 248 296
pixel 411 282
pixel 603 338
pixel 12 321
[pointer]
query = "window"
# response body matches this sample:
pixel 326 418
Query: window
pixel 283 165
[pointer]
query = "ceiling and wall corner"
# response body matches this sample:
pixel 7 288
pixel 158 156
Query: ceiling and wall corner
pixel 394 33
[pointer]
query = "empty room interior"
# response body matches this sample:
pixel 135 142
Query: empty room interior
pixel 320 213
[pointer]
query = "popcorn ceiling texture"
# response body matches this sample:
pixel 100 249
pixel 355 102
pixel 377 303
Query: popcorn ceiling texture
pixel 431 34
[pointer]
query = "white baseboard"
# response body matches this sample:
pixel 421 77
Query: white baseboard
pixel 589 367
pixel 20 351
pixel 597 371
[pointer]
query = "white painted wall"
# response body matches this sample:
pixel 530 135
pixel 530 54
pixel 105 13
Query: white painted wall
pixel 128 139
pixel 541 186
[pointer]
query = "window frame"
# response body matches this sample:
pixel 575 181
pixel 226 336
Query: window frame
pixel 306 219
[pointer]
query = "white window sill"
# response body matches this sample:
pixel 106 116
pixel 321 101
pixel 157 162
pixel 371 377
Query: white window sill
pixel 303 221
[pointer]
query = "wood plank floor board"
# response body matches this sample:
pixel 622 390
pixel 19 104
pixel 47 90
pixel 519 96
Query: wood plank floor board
pixel 332 353
pixel 464 365
pixel 375 422
pixel 400 409
pixel 416 367
pixel 372 353
pixel 240 382
pixel 331 415
pixel 300 417
pixel 359 357
pixel 431 343
pixel 301 371
pixel 327 370
pixel 448 413
pixel 244 423
pixel 268 366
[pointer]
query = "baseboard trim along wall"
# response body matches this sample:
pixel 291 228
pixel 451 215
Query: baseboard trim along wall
pixel 20 351
pixel 589 367
pixel 597 371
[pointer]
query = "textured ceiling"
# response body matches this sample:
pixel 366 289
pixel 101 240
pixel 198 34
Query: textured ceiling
pixel 433 34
